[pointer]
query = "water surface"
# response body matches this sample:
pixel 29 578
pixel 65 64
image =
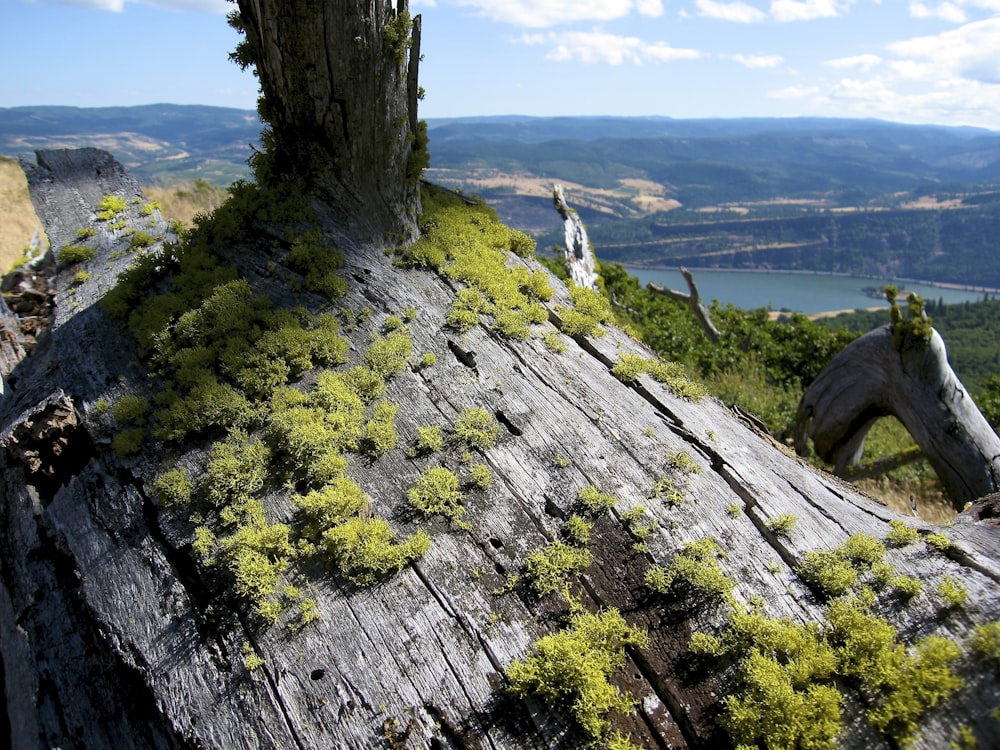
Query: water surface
pixel 797 292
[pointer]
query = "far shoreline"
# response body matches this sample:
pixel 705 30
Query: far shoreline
pixel 939 284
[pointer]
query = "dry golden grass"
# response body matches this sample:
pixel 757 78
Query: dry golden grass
pixel 184 202
pixel 18 220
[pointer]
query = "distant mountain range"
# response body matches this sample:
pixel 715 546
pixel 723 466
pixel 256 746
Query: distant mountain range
pixel 650 188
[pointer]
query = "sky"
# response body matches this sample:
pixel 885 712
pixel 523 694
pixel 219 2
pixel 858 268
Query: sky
pixel 900 60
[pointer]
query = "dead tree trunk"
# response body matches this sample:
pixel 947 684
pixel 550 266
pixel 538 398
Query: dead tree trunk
pixel 580 260
pixel 909 378
pixel 339 94
pixel 693 300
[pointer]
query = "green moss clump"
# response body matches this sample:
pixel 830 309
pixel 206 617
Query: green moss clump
pixel 437 492
pixel 522 244
pixel 149 207
pixel 127 442
pixel 694 572
pixel 130 410
pixel 828 572
pixel 109 207
pixel 939 541
pixel 364 550
pixel 236 471
pixel 590 309
pixel 900 534
pixel 481 476
pixel 174 488
pixel 572 667
pixel 256 555
pixel 783 524
pixel 429 439
pixel 549 567
pixel 387 355
pixel 595 501
pixel 985 641
pixel 379 435
pixel 668 374
pixel 468 244
pixel 85 233
pixel 578 529
pixel 71 254
pixel 952 592
pixel 429 359
pixel 330 506
pixel 900 685
pixel 834 572
pixel 319 263
pixel 140 241
pixel 476 428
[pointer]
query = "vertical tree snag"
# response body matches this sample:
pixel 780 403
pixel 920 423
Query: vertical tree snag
pixel 335 80
pixel 580 261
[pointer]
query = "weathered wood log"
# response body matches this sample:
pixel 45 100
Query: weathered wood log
pixel 114 634
pixel 693 300
pixel 882 374
pixel 578 254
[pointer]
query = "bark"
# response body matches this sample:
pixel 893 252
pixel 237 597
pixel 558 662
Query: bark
pixel 112 635
pixel 334 77
pixel 909 378
pixel 579 255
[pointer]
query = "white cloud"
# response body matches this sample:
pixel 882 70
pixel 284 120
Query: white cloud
pixel 794 92
pixel 968 52
pixel 541 13
pixel 805 10
pixel 757 61
pixel 117 6
pixel 739 12
pixel 943 11
pixel 861 62
pixel 651 8
pixel 593 47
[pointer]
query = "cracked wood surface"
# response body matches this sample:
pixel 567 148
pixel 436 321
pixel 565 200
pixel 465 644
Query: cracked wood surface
pixel 112 637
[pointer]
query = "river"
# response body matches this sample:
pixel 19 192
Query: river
pixel 797 292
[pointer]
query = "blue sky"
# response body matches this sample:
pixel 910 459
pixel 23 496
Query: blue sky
pixel 921 62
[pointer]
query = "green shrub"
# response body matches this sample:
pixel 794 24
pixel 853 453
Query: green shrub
pixel 149 207
pixel 476 428
pixel 571 668
pixel 140 241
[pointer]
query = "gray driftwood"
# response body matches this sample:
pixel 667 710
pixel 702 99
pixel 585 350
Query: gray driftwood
pixel 908 377
pixel 113 637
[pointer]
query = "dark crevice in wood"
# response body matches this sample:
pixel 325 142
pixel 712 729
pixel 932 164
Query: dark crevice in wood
pixel 467 358
pixel 512 428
